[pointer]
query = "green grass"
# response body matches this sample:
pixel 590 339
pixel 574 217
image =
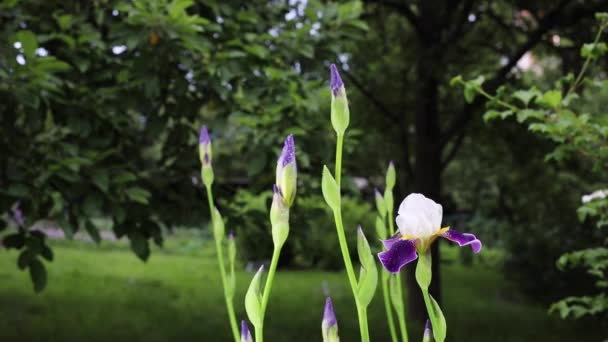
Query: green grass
pixel 106 294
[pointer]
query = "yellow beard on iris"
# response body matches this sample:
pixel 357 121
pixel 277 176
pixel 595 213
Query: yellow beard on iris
pixel 423 243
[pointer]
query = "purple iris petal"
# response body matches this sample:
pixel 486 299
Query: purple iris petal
pixel 390 242
pixel 204 136
pixel 335 80
pixel 400 253
pixel 463 239
pixel 329 317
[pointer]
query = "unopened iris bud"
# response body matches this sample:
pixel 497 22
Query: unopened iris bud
pixel 340 115
pixel 231 248
pixel 380 204
pixel 279 217
pixel 245 333
pixel 287 173
pixel 329 325
pixel 206 156
pixel 390 176
pixel 427 332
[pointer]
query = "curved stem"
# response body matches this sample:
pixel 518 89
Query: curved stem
pixel 587 61
pixel 220 261
pixel 350 272
pixel 387 307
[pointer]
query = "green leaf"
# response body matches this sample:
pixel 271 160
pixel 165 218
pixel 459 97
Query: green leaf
pixel 471 88
pixel 330 189
pixel 551 99
pixel 16 241
pixel 526 114
pixel 423 270
pixel 47 252
pixel 368 282
pixel 28 42
pixel 439 325
pixel 140 246
pixel 253 300
pixel 365 254
pixel 25 258
pixel 526 95
pixel 92 231
pixel 138 194
pixel 594 51
pixel 38 274
pixel 102 180
pixel 456 80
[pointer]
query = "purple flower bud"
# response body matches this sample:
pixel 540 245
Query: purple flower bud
pixel 245 333
pixel 288 154
pixel 231 235
pixel 329 317
pixel 18 215
pixel 335 80
pixel 204 136
pixel 427 331
pixel 286 173
pixel 329 326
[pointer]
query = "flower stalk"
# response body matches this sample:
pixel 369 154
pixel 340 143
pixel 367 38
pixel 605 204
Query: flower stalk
pixel 331 191
pixel 228 282
pixel 284 191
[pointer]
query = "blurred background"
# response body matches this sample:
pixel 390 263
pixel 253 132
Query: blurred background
pixel 100 106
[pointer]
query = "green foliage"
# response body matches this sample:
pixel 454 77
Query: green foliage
pixel 100 103
pixel 577 136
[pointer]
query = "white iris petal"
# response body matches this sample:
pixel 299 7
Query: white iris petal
pixel 419 217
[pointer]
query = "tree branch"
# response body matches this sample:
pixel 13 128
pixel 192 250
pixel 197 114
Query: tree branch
pixel 370 96
pixel 454 149
pixel 545 24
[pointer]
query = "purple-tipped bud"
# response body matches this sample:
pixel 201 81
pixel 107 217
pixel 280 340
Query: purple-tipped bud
pixel 335 80
pixel 329 316
pixel 329 325
pixel 231 235
pixel 204 136
pixel 245 333
pixel 427 331
pixel 288 154
pixel 18 215
pixel 286 173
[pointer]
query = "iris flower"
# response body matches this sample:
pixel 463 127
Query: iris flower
pixel 204 146
pixel 419 222
pixel 245 333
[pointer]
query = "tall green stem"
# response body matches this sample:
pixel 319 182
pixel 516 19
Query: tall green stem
pixel 361 311
pixel 387 306
pixel 220 261
pixel 400 315
pixel 259 331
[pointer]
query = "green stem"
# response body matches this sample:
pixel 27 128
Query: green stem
pixel 400 315
pixel 259 331
pixel 500 102
pixel 350 272
pixel 338 171
pixel 587 61
pixel 220 261
pixel 387 306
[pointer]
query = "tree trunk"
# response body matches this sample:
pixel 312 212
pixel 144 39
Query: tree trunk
pixel 427 170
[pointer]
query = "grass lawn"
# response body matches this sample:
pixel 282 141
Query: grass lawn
pixel 106 294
